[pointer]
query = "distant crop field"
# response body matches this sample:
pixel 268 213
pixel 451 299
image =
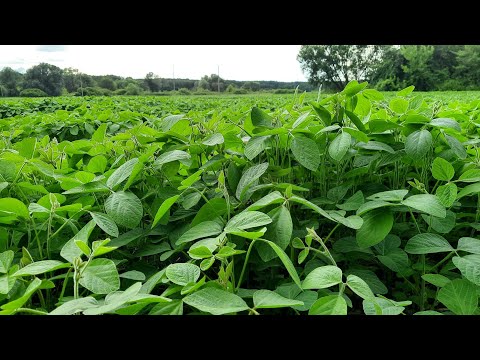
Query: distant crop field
pixel 358 202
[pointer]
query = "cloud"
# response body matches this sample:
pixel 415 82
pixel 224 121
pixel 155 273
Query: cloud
pixel 50 48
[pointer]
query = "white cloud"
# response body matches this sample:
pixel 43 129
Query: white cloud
pixel 236 62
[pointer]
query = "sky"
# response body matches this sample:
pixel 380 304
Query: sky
pixel 236 62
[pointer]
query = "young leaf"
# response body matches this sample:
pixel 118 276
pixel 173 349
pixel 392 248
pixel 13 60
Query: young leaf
pixel 323 277
pixel 339 146
pixel 6 259
pixel 11 206
pixel 70 250
pixel 162 210
pixel 40 267
pixel 266 299
pixel 125 208
pixel 249 176
pixel 216 301
pixel 100 277
pixel 105 223
pixel 418 144
pixel 427 203
pixel 121 173
pixel 246 220
pixel 202 230
pixel 329 305
pixel 306 152
pixel 468 244
pixel 442 169
pixel 460 296
pixel 447 194
pixel 427 244
pixel 376 226
pixel 182 273
pixel 359 287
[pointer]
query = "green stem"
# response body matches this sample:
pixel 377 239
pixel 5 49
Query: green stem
pixel 244 265
pixel 443 260
pixel 331 232
pixel 31 311
pixel 65 282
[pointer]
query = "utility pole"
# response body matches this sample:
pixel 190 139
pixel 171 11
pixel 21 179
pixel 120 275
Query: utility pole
pixel 218 79
pixel 173 77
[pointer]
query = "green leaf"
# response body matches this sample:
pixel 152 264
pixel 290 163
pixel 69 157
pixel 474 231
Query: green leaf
pixel 468 190
pixel 469 266
pixel 75 306
pixel 279 231
pixel 97 164
pixel 255 146
pixel 70 250
pixel 133 275
pixel 354 87
pixel 125 208
pixel 406 91
pixel 200 252
pixel 459 296
pixel 376 226
pixel 427 203
pixel 18 303
pixel 396 260
pixel 162 210
pixel 329 305
pixel 216 301
pixel 274 197
pixel 266 299
pixel 182 273
pixel 214 139
pixel 6 259
pixel 246 220
pixel 447 194
pixel 105 223
pixel 442 169
pixel 372 280
pixel 260 118
pixel 358 123
pixel 353 202
pixel 372 205
pixel 446 123
pixel 399 105
pixel 359 287
pixel 248 178
pixel 323 113
pixel 376 145
pixel 436 279
pixel 202 230
pixel 286 262
pixel 306 152
pixel 468 244
pixel 121 173
pixel 456 146
pixel 11 206
pixel 323 277
pixel 427 244
pixel 418 144
pixel 339 146
pixel 100 277
pixel 41 267
pixel 392 195
pixel 472 175
pixel 6 284
pixel 442 226
pixel 171 156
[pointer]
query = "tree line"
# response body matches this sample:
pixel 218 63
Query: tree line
pixel 389 67
pixel 49 80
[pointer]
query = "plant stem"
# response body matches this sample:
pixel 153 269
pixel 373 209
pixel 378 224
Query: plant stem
pixel 244 265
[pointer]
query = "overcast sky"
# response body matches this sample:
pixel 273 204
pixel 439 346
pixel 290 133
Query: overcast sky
pixel 237 62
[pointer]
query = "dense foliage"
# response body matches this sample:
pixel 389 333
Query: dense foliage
pixel 355 203
pixel 53 81
pixel 387 67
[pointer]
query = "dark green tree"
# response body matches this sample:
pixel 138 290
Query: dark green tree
pixel 152 82
pixel 468 66
pixel 10 80
pixel 46 77
pixel 336 65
